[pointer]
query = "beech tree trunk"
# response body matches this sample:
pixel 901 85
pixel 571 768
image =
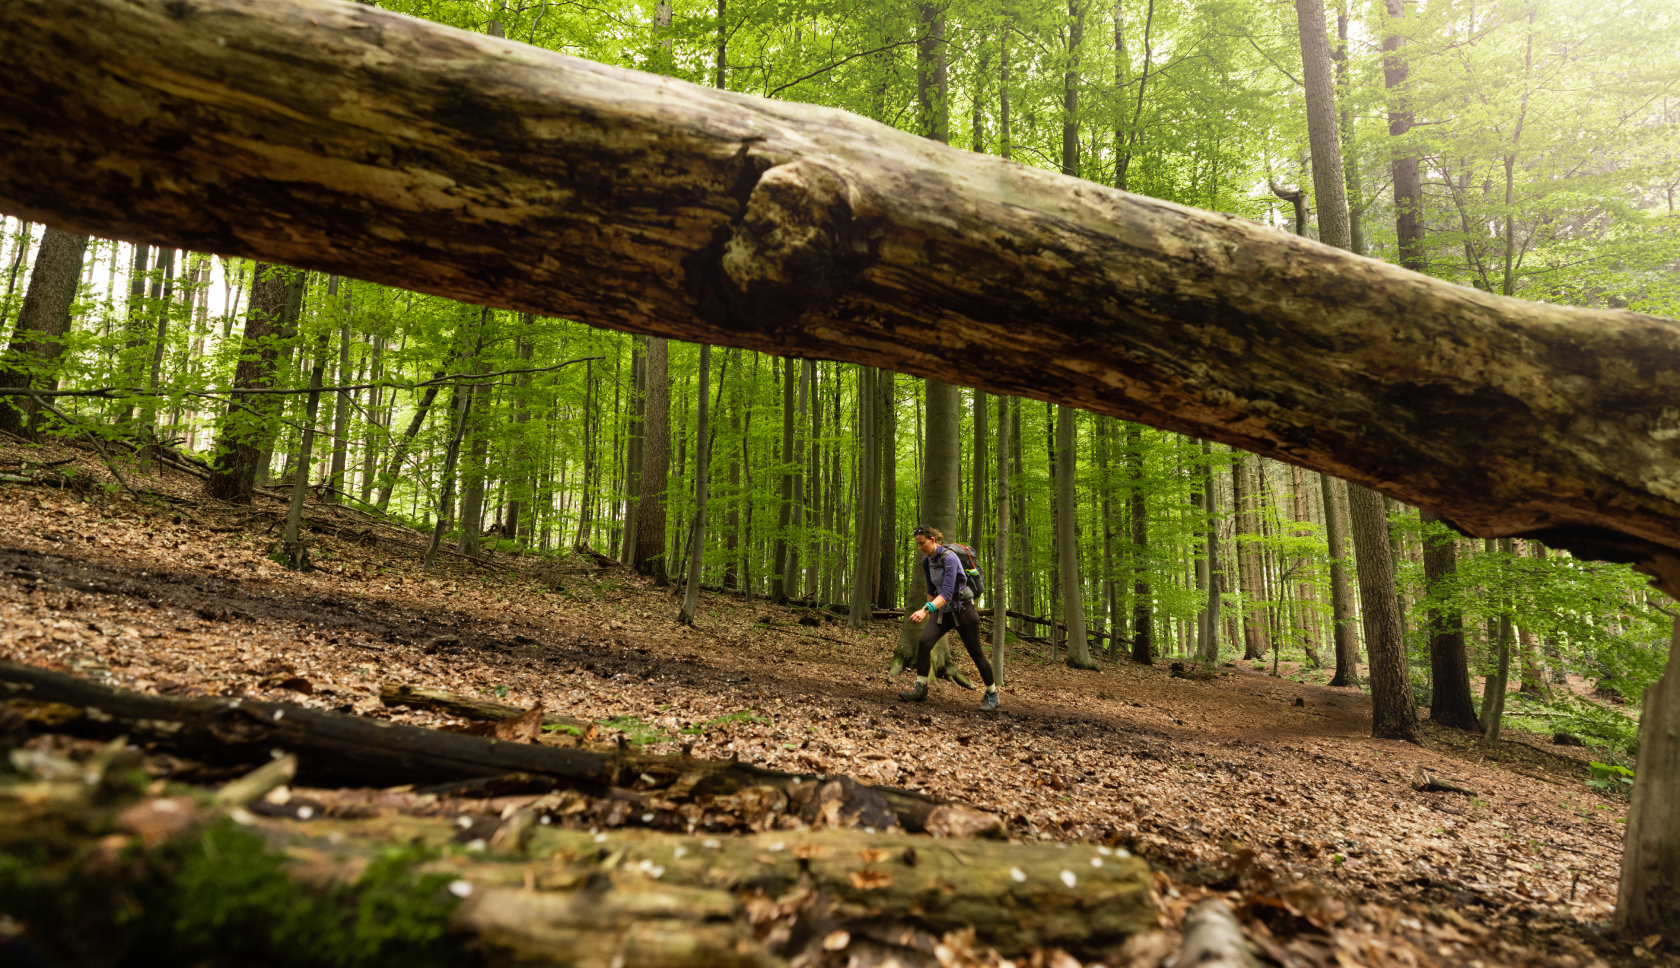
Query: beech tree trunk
pixel 656 464
pixel 1452 703
pixel 1393 711
pixel 1067 543
pixel 702 491
pixel 239 447
pixel 1142 600
pixel 806 229
pixel 1648 900
pixel 43 322
pixel 1000 562
pixel 867 535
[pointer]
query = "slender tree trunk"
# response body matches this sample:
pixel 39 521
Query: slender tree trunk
pixel 292 552
pixel 1393 711
pixel 1000 564
pixel 296 284
pixel 399 454
pixel 1341 601
pixel 1408 183
pixel 797 536
pixel 472 476
pixel 1210 503
pixel 1143 609
pixel 633 472
pixel 462 411
pixel 656 459
pixel 1452 704
pixel 341 417
pixel 868 530
pixel 981 437
pixel 886 588
pixel 1067 542
pixel 239 445
pixel 163 296
pixel 24 232
pixel 702 481
pixel 376 419
pixel 737 452
pixel 43 323
pixel 1111 605
pixel 941 449
pixel 521 476
pixel 1250 570
pixel 779 591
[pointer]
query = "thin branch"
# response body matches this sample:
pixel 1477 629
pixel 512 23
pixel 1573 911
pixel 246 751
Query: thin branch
pixel 111 393
pixel 823 70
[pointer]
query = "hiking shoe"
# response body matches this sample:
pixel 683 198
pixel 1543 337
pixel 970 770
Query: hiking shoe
pixel 918 694
pixel 991 701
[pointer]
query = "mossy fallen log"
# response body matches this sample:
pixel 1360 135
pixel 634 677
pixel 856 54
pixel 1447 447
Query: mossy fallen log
pixel 98 874
pixel 336 749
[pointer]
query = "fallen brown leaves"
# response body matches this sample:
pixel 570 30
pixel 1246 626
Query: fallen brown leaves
pixel 1343 860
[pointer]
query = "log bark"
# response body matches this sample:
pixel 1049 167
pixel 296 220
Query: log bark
pixel 523 890
pixel 348 139
pixel 337 749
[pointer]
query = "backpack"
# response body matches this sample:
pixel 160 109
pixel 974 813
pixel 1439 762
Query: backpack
pixel 971 568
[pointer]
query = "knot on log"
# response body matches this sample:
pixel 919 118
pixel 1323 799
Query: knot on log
pixel 804 239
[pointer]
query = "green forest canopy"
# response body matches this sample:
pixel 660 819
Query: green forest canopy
pixel 1546 133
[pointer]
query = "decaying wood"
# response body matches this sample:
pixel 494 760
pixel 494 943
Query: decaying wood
pixel 533 891
pixel 333 748
pixel 1214 939
pixel 345 138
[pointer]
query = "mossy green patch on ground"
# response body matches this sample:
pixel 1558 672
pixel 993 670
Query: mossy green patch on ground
pixel 220 896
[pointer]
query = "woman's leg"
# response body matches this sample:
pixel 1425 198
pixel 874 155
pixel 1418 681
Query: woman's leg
pixel 932 629
pixel 968 626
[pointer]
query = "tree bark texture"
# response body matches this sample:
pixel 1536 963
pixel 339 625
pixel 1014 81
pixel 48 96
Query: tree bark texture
pixel 997 590
pixel 1393 713
pixel 349 139
pixel 1067 542
pixel 240 446
pixel 941 448
pixel 43 322
pixel 1142 596
pixel 1323 129
pixel 656 463
pixel 534 892
pixel 1452 703
pixel 1649 897
pixel 702 491
pixel 1341 596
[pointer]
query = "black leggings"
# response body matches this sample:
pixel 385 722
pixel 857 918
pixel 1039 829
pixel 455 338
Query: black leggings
pixel 967 623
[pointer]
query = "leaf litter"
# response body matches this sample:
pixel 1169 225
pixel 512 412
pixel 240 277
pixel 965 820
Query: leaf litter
pixel 1318 835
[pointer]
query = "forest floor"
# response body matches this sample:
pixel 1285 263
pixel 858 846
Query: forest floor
pixel 1267 789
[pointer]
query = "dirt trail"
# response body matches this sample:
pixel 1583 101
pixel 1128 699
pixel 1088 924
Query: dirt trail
pixel 1211 780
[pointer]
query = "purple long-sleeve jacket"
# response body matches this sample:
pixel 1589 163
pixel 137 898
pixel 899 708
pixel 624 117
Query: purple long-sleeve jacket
pixel 949 578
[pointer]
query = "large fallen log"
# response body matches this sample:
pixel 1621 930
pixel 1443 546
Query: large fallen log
pixel 337 749
pixel 341 137
pixel 101 876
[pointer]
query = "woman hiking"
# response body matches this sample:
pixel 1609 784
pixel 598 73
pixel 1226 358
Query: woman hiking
pixel 952 607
